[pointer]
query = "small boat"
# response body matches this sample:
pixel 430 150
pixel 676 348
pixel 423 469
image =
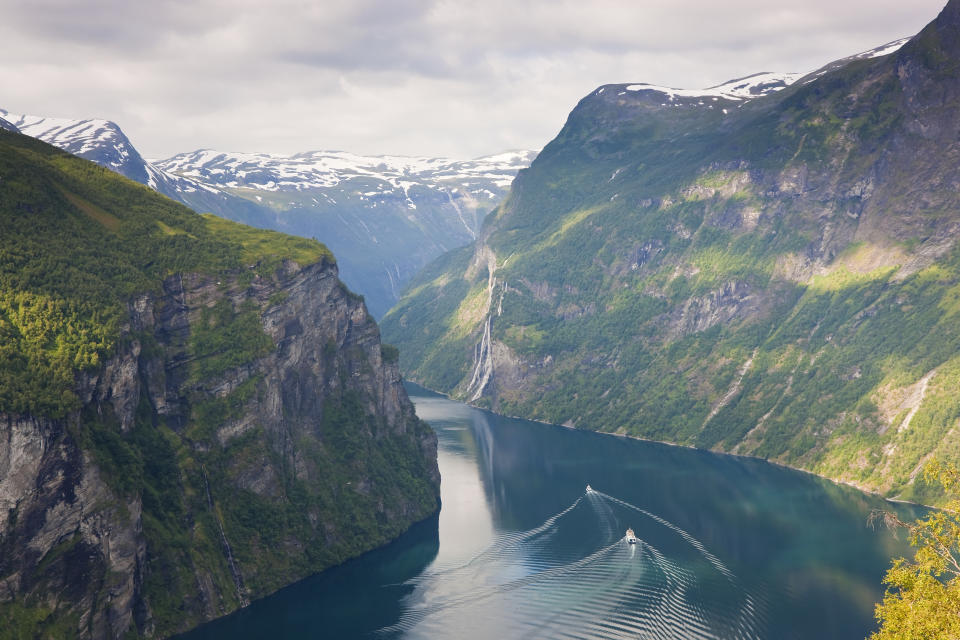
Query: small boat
pixel 589 488
pixel 631 537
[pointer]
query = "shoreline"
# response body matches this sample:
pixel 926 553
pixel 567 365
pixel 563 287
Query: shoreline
pixel 682 446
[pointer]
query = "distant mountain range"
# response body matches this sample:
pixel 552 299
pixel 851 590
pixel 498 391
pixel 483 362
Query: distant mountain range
pixel 767 267
pixel 383 216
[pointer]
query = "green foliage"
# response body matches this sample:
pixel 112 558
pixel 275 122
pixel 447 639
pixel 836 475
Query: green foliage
pixel 346 456
pixel 76 243
pixel 389 353
pixel 423 321
pixel 224 338
pixel 649 253
pixel 267 247
pixel 190 483
pixel 923 594
pixel 33 621
pixel 277 298
pixel 209 412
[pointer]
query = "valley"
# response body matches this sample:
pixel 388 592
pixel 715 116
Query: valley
pixel 194 413
pixel 384 217
pixel 689 370
pixel 520 548
pixel 766 270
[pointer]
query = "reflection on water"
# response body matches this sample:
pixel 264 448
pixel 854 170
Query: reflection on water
pixel 727 547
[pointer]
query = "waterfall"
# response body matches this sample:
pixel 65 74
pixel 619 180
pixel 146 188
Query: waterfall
pixel 456 207
pixel 228 552
pixel 484 368
pixel 483 355
pixel 393 283
pixel 733 390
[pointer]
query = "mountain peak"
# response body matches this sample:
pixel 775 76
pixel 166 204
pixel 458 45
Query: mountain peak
pixel 950 15
pixel 947 27
pixel 664 230
pixel 324 169
pixel 937 46
pixel 101 141
pixel 742 89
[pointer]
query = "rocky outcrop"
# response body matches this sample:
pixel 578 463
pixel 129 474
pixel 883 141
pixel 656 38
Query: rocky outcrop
pixel 664 239
pixel 726 305
pixel 68 539
pixel 250 430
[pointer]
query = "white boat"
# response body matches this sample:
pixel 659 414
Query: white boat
pixel 631 537
pixel 589 488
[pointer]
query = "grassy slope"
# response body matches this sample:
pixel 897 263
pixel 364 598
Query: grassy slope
pixel 636 217
pixel 76 242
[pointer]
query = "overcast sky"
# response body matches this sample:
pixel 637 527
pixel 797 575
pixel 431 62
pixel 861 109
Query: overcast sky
pixel 433 77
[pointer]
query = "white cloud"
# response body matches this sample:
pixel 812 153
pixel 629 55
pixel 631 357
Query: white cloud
pixel 437 77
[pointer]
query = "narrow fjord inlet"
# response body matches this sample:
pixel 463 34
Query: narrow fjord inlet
pixel 476 326
pixel 727 547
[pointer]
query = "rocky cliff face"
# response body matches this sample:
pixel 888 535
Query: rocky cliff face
pixel 249 430
pixel 751 273
pixel 69 541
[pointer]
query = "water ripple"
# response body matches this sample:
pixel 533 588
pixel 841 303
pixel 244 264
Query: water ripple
pixel 548 582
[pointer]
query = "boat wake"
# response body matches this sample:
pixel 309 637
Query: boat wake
pixel 575 576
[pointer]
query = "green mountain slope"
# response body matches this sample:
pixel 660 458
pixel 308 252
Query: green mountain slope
pixel 77 243
pixel 775 277
pixel 193 413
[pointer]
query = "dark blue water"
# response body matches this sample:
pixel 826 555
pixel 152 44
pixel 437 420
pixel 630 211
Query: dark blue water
pixel 727 547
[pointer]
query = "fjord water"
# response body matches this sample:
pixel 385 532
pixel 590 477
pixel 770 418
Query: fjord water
pixel 727 547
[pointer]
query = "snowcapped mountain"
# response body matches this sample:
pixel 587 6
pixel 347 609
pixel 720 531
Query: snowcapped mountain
pixel 742 90
pixel 737 90
pixel 876 52
pixel 319 178
pixel 323 169
pixel 7 125
pixel 101 141
pixel 384 217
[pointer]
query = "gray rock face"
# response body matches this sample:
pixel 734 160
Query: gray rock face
pixel 666 238
pixel 725 305
pixel 68 539
pixel 71 532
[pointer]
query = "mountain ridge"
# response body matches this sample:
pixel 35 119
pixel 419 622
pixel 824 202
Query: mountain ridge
pixel 194 413
pixel 725 280
pixel 327 168
pixel 384 216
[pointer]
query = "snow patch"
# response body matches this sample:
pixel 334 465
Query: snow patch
pixel 754 86
pixel 325 169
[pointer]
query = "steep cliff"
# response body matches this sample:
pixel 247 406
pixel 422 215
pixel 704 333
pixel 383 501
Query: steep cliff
pixel 230 421
pixel 772 273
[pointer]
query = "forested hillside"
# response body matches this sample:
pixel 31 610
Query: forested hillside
pixel 772 275
pixel 194 413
